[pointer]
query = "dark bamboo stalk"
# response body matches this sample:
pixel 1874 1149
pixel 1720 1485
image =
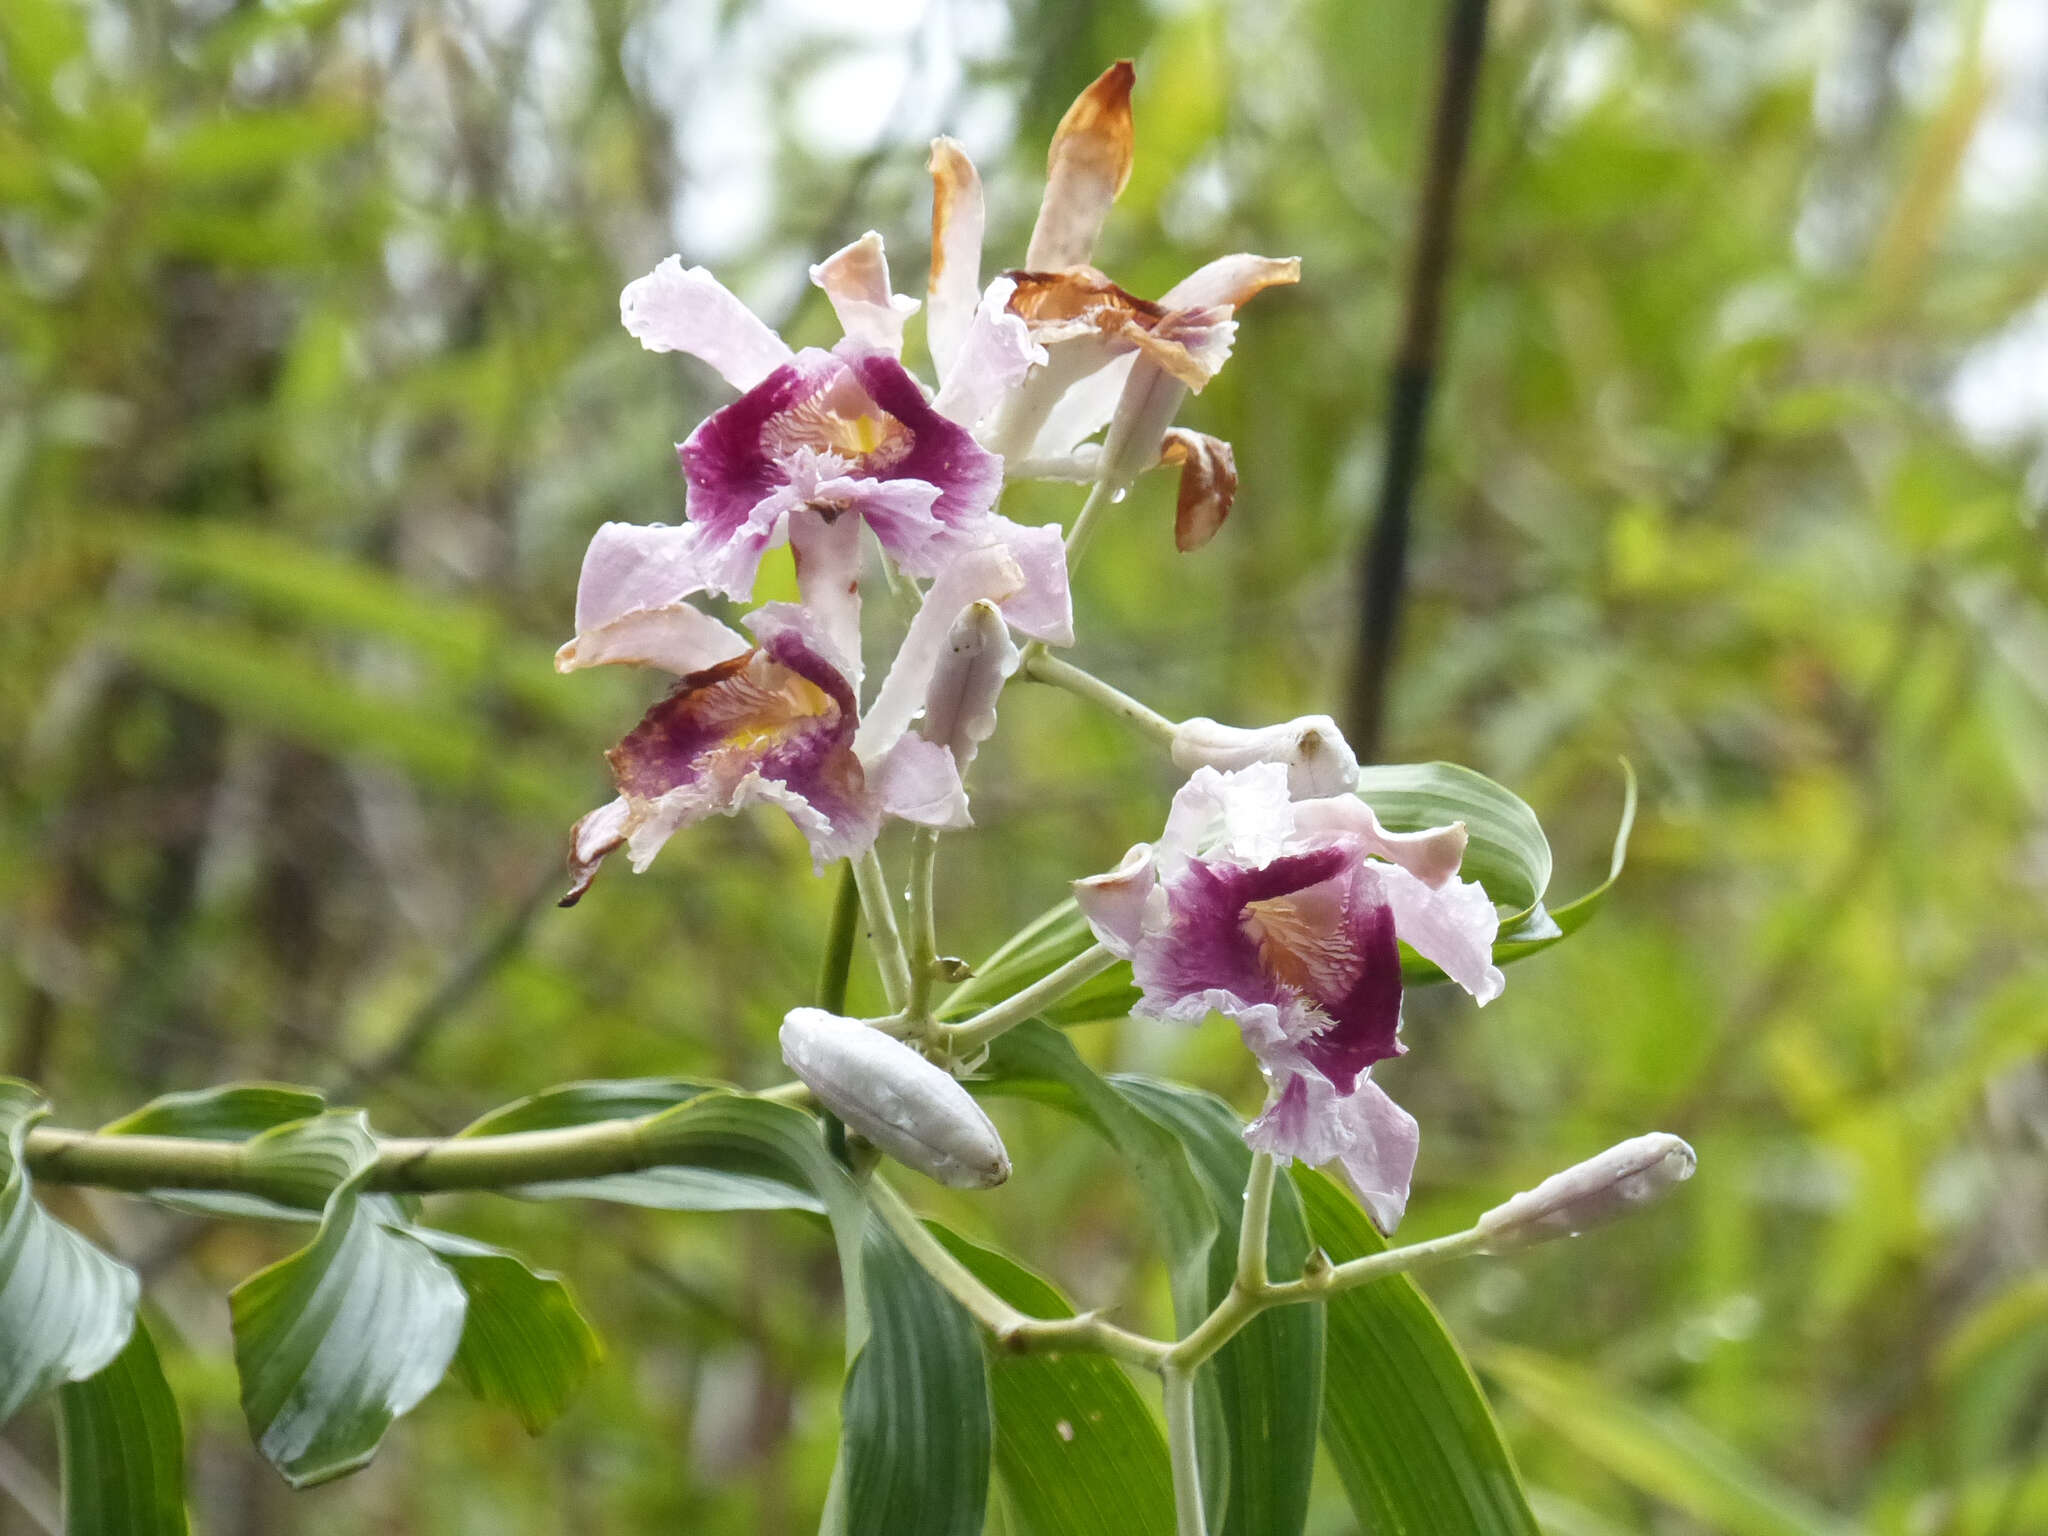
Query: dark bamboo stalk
pixel 1383 563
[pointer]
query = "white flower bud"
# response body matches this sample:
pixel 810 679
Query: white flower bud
pixel 960 706
pixel 1318 759
pixel 1599 1190
pixel 914 1111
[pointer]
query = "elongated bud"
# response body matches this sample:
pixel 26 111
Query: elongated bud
pixel 960 708
pixel 914 1111
pixel 1319 760
pixel 1599 1190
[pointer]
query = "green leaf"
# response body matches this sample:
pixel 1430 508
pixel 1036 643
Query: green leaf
pixel 66 1309
pixel 1657 1449
pixel 1507 852
pixel 1079 1453
pixel 234 1112
pixel 915 1447
pixel 123 1449
pixel 1408 1428
pixel 1037 1062
pixel 342 1337
pixel 1269 1378
pixel 1538 929
pixel 525 1346
pixel 722 1188
pixel 918 1432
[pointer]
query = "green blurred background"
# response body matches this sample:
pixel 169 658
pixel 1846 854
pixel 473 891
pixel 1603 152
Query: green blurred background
pixel 312 390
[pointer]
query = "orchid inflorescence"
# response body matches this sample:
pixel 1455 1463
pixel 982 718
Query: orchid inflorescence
pixel 1275 896
pixel 1289 891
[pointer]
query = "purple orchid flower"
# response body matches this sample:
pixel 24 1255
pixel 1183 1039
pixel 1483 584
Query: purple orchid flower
pixel 1285 916
pixel 777 722
pixel 820 443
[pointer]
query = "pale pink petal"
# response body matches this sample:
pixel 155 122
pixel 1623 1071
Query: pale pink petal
pixel 678 309
pixel 856 279
pixel 1042 607
pixel 957 224
pixel 1083 410
pixel 1431 855
pixel 1018 429
pixel 1151 399
pixel 630 608
pixel 1088 165
pixel 1245 816
pixel 1115 903
pixel 1317 758
pixel 919 780
pixel 987 572
pixel 1380 1163
pixel 1231 281
pixel 827 553
pixel 1453 924
pixel 990 359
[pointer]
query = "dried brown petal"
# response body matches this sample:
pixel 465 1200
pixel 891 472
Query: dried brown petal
pixel 1208 485
pixel 1089 163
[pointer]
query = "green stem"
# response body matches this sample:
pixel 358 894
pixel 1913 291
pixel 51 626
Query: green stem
pixel 1258 1209
pixel 1100 495
pixel 970 1035
pixel 838 962
pixel 1043 668
pixel 924 937
pixel 1179 1385
pixel 1013 1330
pixel 883 938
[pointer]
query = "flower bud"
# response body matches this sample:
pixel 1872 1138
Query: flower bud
pixel 1599 1190
pixel 1318 759
pixel 914 1111
pixel 960 706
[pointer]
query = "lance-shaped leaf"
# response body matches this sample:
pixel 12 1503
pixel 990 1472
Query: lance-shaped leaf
pixel 233 1112
pixel 914 1454
pixel 1507 852
pixel 1410 1433
pixel 123 1449
pixel 1079 1453
pixel 672 1188
pixel 1038 1063
pixel 918 1431
pixel 66 1309
pixel 342 1337
pixel 1270 1377
pixel 525 1346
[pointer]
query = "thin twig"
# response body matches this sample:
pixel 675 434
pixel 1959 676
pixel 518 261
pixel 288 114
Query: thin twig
pixel 1383 567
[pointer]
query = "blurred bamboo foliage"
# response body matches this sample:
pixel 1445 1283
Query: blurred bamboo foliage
pixel 312 389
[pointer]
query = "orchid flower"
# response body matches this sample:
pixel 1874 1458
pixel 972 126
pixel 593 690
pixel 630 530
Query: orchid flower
pixel 1106 357
pixel 820 443
pixel 775 722
pixel 1285 916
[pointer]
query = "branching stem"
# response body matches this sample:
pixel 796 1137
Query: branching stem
pixel 883 936
pixel 1041 667
pixel 970 1035
pixel 1179 1387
